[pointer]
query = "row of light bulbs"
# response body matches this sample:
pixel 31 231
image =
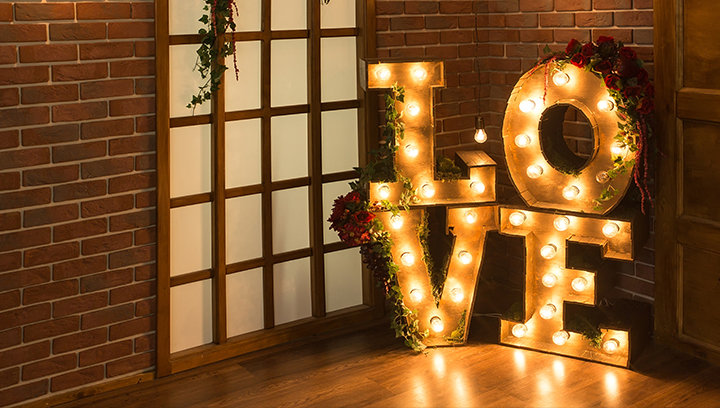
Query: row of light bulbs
pixel 417 73
pixel 561 223
pixel 560 337
pixel 408 259
pixel 560 78
pixel 427 190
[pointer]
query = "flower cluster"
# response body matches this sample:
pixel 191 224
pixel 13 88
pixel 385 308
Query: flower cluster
pixel 352 219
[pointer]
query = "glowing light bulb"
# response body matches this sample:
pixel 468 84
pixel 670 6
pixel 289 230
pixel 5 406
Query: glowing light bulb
pixel 527 105
pixel 549 280
pixel 480 135
pixel 548 311
pixel 396 221
pixel 416 295
pixel 602 177
pixel 419 73
pixel 384 191
pixel 579 284
pixel 428 190
pixel 560 78
pixel 618 148
pixel 522 140
pixel 548 251
pixel 413 109
pixel 606 105
pixel 465 257
pixel 570 192
pixel 610 229
pixel 561 223
pixel 519 330
pixel 611 346
pixel 534 171
pixel 560 337
pixel 517 218
pixel 437 324
pixel 457 295
pixel 412 150
pixel 382 74
pixel 407 259
pixel 470 217
pixel 477 187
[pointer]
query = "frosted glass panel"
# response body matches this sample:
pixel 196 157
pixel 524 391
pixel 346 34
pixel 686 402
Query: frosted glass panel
pixel 190 239
pixel 184 82
pixel 190 315
pixel 289 146
pixel 343 279
pixel 331 191
pixel 288 72
pixel 338 66
pixel 249 18
pixel 184 15
pixel 337 14
pixel 288 15
pixel 291 289
pixel 243 93
pixel 242 153
pixel 244 228
pixel 290 220
pixel 190 160
pixel 244 302
pixel 339 140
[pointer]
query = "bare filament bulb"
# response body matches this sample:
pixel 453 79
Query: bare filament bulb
pixel 549 280
pixel 456 294
pixel 412 150
pixel 419 73
pixel 396 221
pixel 517 218
pixel 610 229
pixel 522 140
pixel 413 109
pixel 548 251
pixel 606 105
pixel 611 346
pixel 465 257
pixel 416 295
pixel 382 74
pixel 579 284
pixel 519 330
pixel 534 171
pixel 407 259
pixel 570 192
pixel 527 105
pixel 560 337
pixel 560 78
pixel 437 324
pixel 428 190
pixel 477 187
pixel 618 148
pixel 548 311
pixel 384 191
pixel 602 177
pixel 470 217
pixel 480 135
pixel 561 223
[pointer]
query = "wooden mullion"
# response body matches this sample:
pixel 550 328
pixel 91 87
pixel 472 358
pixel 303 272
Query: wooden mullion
pixel 266 167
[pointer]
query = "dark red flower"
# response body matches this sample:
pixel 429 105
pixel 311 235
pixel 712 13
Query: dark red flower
pixel 625 67
pixel 642 76
pixel 646 106
pixel 632 91
pixel 628 53
pixel 363 217
pixel 611 81
pixel 337 211
pixel 578 60
pixel 588 50
pixel 604 67
pixel 604 39
pixel 353 197
pixel 573 47
pixel 649 89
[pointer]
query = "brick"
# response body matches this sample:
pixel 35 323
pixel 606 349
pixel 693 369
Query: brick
pixel 634 18
pixel 8 54
pixel 643 4
pixel 623 35
pixel 48 53
pixel 132 106
pixel 390 39
pixel 80 151
pixel 521 20
pixel 145 307
pixel 130 364
pixel 106 205
pixel 76 191
pixel 10 338
pixel 104 89
pixel 145 162
pixel 41 12
pixel 542 36
pixel 107 167
pixel 9 181
pixel 136 181
pixel 9 97
pixel 10 261
pixel 49 215
pixel 80 340
pixel 79 229
pixel 408 52
pixel 51 175
pixel 51 328
pixel 6 14
pixel 21 317
pixel 133 220
pixel 80 304
pixel 572 5
pixel 635 285
pixel 131 68
pixel 145 124
pixel 11 376
pixel 612 4
pixel 456 7
pixel 50 291
pixel 13 33
pixel 536 5
pixel 389 7
pixel 132 328
pixel 106 50
pixel 132 256
pixel 421 7
pixel 107 243
pixel 135 144
pixel 594 19
pixel 145 236
pixel 23 75
pixel 79 72
pixel 9 139
pixel 145 199
pixel 51 134
pixel 144 86
pixel 143 343
pixel 50 93
pixel 115 127
pixel 24 392
pixel 9 300
pixel 48 367
pixel 446 52
pixel 503 6
pixel 564 36
pixel 107 316
pixel 131 29
pixel 406 23
pixel 105 353
pixel 436 22
pixel 106 280
pixel 79 111
pixel 145 272
pixel 77 31
pixel 145 49
pixel 132 292
pixel 557 20
pixel 52 253
pixel 77 378
pixel 456 37
pixel 422 38
pixel 24 239
pixel 79 267
pixel 24 158
pixel 521 50
pixel 643 36
pixel 103 11
pixel 143 11
pixel 24 116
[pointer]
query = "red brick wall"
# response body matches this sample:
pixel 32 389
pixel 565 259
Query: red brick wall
pixel 77 196
pixel 487 46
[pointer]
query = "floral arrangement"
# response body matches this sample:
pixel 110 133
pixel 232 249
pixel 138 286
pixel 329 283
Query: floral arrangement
pixel 628 84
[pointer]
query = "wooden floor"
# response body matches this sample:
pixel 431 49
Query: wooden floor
pixel 371 368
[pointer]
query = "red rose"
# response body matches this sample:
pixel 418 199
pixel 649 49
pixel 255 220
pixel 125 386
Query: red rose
pixel 649 90
pixel 611 81
pixel 642 76
pixel 337 211
pixel 604 67
pixel 578 60
pixel 353 197
pixel 646 106
pixel 632 91
pixel 363 217
pixel 628 53
pixel 625 67
pixel 573 47
pixel 588 50
pixel 603 40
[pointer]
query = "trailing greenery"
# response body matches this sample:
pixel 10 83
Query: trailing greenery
pixel 458 335
pixel 446 170
pixel 437 275
pixel 589 331
pixel 515 313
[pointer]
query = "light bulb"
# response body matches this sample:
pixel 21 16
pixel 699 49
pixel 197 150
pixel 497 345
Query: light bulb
pixel 610 229
pixel 534 171
pixel 428 190
pixel 470 217
pixel 419 73
pixel 602 177
pixel 548 251
pixel 611 346
pixel 407 259
pixel 384 191
pixel 561 223
pixel 480 135
pixel 560 78
pixel 560 337
pixel 618 148
pixel 548 311
pixel 519 330
pixel 522 140
pixel 517 218
pixel 416 295
pixel 465 257
pixel 527 105
pixel 396 221
pixel 606 105
pixel 411 150
pixel 437 324
pixel 382 74
pixel 456 294
pixel 413 109
pixel 477 187
pixel 570 192
pixel 579 284
pixel 549 280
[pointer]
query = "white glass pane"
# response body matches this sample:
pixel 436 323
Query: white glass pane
pixel 191 315
pixel 242 153
pixel 190 239
pixel 338 66
pixel 290 220
pixel 288 72
pixel 343 279
pixel 289 146
pixel 243 92
pixel 249 18
pixel 291 289
pixel 339 140
pixel 288 15
pixel 184 81
pixel 331 191
pixel 184 16
pixel 244 302
pixel 190 160
pixel 244 228
pixel 337 14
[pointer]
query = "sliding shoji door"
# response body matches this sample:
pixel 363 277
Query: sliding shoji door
pixel 246 182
